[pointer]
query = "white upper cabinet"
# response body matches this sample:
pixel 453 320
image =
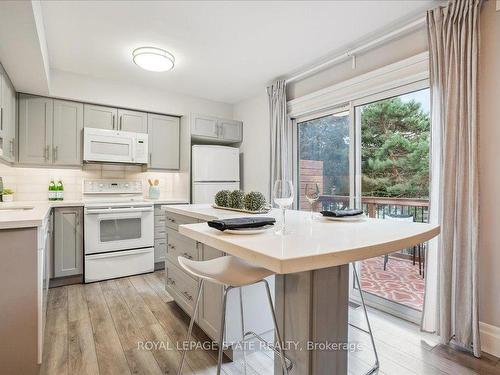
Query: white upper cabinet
pixel 132 121
pixel 67 133
pixel 97 116
pixel 208 128
pixel 164 142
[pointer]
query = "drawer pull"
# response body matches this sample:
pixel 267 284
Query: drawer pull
pixel 170 246
pixel 171 220
pixel 186 255
pixel 188 296
pixel 170 281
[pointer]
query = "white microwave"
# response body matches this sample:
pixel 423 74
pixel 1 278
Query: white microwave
pixel 111 146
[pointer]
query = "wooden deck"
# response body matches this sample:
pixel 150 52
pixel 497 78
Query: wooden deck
pixel 97 329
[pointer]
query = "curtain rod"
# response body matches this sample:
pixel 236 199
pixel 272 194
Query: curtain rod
pixel 351 53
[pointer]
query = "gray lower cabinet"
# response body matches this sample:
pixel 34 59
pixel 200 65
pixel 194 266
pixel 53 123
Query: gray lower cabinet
pixel 35 129
pixel 183 286
pixel 68 241
pixel 101 117
pixel 160 238
pixel 67 133
pixel 132 121
pixel 210 309
pixel 164 141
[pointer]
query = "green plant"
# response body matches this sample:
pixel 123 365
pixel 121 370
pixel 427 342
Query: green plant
pixel 254 201
pixel 7 191
pixel 236 199
pixel 222 198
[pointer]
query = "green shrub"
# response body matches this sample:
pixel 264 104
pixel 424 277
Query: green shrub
pixel 222 198
pixel 254 201
pixel 236 199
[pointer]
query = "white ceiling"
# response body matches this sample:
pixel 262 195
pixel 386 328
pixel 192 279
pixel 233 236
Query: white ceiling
pixel 225 51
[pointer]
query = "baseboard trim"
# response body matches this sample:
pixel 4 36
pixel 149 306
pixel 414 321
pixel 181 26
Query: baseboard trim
pixel 490 339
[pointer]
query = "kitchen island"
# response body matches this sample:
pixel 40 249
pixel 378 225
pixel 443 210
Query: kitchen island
pixel 311 263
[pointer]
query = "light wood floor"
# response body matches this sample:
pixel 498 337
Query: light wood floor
pixel 95 329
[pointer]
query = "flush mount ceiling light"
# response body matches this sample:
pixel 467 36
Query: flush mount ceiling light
pixel 153 59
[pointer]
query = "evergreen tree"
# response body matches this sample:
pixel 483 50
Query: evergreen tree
pixel 395 149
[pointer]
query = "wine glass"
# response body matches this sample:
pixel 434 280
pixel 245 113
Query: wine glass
pixel 283 197
pixel 312 195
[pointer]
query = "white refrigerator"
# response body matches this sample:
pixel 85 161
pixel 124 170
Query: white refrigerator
pixel 214 168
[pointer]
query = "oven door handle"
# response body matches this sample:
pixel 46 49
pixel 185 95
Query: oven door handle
pixel 118 254
pixel 93 211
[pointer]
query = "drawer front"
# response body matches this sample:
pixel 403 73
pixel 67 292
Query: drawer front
pixel 182 287
pixel 174 220
pixel 160 249
pixel 160 232
pixel 179 245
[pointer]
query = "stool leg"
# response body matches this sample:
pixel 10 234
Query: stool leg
pixel 243 332
pixel 376 366
pixel 278 335
pixel 191 323
pixel 222 330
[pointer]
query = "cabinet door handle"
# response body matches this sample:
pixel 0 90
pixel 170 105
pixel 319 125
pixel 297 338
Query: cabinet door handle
pixel 186 255
pixel 121 126
pixel 47 151
pixel 170 281
pixel 77 219
pixel 113 121
pixel 188 296
pixel 1 118
pixel 12 148
pixel 150 157
pixel 55 152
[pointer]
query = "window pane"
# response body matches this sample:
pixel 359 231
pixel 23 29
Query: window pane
pixel 323 150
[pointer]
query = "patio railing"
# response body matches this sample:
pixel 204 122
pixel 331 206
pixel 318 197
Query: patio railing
pixel 379 207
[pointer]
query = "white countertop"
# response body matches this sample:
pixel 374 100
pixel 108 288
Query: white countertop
pixel 310 244
pixel 204 212
pixel 39 210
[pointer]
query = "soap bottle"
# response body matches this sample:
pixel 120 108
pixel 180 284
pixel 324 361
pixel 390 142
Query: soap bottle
pixel 60 190
pixel 52 190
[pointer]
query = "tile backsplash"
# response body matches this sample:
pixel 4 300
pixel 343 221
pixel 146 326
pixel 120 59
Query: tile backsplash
pixel 31 184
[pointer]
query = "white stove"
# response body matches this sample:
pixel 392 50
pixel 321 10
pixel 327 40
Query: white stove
pixel 119 230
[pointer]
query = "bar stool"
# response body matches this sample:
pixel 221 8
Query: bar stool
pixel 376 365
pixel 232 273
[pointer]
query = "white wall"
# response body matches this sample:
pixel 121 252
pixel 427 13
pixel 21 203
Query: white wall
pixel 255 148
pixel 489 173
pixel 104 91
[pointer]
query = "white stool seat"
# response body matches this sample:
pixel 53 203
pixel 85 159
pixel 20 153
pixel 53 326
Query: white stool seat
pixel 226 270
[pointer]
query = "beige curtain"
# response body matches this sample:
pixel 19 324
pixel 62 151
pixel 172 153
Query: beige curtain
pixel 279 131
pixel 451 305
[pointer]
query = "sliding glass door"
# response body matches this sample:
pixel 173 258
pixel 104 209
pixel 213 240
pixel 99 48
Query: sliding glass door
pixel 393 134
pixel 373 153
pixel 323 160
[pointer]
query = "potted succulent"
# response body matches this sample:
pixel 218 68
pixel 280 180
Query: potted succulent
pixel 7 195
pixel 222 198
pixel 254 201
pixel 236 199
